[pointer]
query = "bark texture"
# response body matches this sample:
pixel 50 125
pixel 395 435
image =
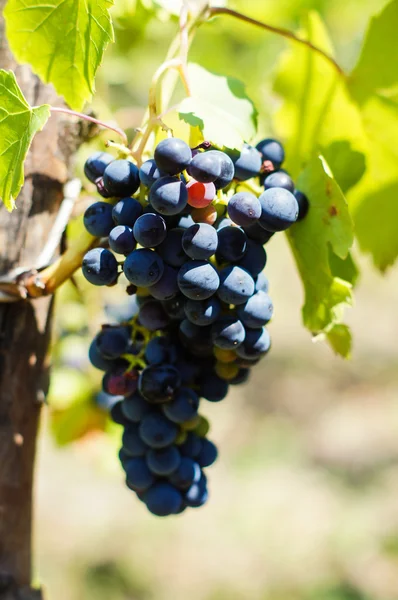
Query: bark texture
pixel 25 330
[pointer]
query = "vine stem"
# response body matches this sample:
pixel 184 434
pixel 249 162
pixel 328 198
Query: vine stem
pixel 67 111
pixel 219 10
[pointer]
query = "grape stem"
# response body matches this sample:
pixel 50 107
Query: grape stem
pixel 73 113
pixel 219 10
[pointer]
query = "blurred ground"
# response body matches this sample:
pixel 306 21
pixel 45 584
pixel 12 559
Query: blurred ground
pixel 303 498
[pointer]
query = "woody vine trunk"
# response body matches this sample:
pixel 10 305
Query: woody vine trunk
pixel 25 329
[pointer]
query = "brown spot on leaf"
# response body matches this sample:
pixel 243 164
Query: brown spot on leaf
pixel 333 212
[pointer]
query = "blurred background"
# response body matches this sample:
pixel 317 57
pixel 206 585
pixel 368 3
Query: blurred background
pixel 304 497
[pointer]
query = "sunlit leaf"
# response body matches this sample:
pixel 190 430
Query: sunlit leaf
pixel 220 107
pixel 63 40
pixel 327 228
pixel 18 124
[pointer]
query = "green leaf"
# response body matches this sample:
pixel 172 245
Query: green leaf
pixel 220 107
pixel 327 228
pixel 374 200
pixel 376 68
pixel 64 42
pixel 18 125
pixel 317 115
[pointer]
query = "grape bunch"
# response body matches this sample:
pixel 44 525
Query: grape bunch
pixel 188 229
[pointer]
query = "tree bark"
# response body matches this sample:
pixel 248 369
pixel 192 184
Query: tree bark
pixel 25 329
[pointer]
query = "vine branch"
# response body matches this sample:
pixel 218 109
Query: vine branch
pixel 67 111
pixel 219 10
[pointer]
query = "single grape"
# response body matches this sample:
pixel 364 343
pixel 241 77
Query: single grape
pixel 112 342
pixel 200 241
pixel 256 233
pixel 150 230
pixel 121 178
pixel 255 258
pixel 203 312
pixel 158 383
pixel 97 360
pixel 198 280
pixel 183 407
pixel 227 371
pixel 122 240
pixel 126 211
pixel 261 283
pixel 257 343
pixel 163 499
pixel 303 204
pixel 133 446
pixel 279 209
pixel 98 220
pixel 120 382
pixel 205 167
pixel 213 388
pixel 160 350
pixel 192 445
pixel 232 243
pixel 196 496
pixel 242 377
pixel 248 163
pixel 135 407
pixel 227 172
pixel 186 474
pixel 236 285
pixel 227 333
pixel 200 195
pixel 271 150
pixel 100 267
pixel 153 316
pixel 171 249
pixel 244 209
pixel 164 461
pixel 167 287
pixel 172 156
pixel 205 215
pixel 224 356
pixel 149 173
pixel 279 179
pixel 168 195
pixel 208 454
pixel 257 311
pixel 143 267
pixel 157 431
pixel 174 308
pixel 138 476
pixel 95 165
pixel 116 413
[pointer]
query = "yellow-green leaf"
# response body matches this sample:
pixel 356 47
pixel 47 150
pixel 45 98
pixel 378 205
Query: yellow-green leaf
pixel 63 40
pixel 326 229
pixel 19 122
pixel 376 68
pixel 317 115
pixel 220 107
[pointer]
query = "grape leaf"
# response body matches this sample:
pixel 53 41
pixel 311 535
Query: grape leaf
pixel 327 228
pixel 317 115
pixel 376 68
pixel 220 108
pixel 18 125
pixel 63 40
pixel 373 85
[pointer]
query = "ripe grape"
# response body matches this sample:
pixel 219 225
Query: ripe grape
pixel 200 241
pixel 100 267
pixel 150 230
pixel 198 280
pixel 95 165
pixel 168 195
pixel 172 156
pixel 272 150
pixel 98 219
pixel 121 178
pixel 279 209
